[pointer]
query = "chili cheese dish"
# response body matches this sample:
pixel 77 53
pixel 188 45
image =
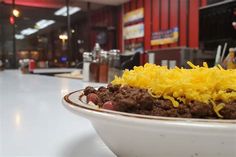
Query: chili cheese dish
pixel 199 92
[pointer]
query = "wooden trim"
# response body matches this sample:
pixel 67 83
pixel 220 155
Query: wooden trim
pixel 179 21
pixel 183 24
pixel 133 6
pixel 193 35
pixel 174 9
pixel 147 21
pixel 156 24
pixel 203 3
pixel 147 29
pixel 140 5
pixel 164 17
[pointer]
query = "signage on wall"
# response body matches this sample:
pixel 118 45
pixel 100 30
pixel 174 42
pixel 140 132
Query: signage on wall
pixel 134 16
pixel 134 31
pixel 165 37
pixel 135 47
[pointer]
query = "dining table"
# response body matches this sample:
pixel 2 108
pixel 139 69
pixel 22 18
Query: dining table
pixel 34 122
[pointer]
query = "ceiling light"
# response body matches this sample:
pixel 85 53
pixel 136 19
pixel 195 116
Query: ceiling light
pixel 63 11
pixel 63 36
pixel 16 12
pixel 19 36
pixel 28 31
pixel 43 23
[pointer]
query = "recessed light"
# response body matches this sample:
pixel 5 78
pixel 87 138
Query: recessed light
pixel 63 36
pixel 63 11
pixel 28 31
pixel 16 12
pixel 19 36
pixel 43 23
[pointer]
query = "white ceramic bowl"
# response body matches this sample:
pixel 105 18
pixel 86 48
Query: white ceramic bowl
pixel 132 135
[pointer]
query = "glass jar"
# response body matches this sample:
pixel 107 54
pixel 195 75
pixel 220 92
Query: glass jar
pixel 94 65
pixel 114 64
pixel 94 71
pixel 87 59
pixel 96 51
pixel 24 66
pixel 103 67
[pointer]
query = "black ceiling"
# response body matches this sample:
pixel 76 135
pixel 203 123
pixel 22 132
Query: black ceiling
pixel 30 15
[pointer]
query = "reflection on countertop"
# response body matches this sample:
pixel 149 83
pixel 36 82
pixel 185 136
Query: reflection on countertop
pixel 33 121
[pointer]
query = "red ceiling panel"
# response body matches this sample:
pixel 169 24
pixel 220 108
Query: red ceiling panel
pixel 38 3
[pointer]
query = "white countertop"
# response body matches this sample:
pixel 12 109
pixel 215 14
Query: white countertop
pixel 53 70
pixel 33 121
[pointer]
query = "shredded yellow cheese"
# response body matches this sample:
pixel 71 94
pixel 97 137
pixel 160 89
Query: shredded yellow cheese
pixel 217 108
pixel 174 102
pixel 200 84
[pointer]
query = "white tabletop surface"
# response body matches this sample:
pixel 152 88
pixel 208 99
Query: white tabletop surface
pixel 33 121
pixel 54 70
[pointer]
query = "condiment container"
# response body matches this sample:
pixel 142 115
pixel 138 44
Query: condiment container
pixel 32 65
pixel 24 66
pixel 94 66
pixel 229 60
pixel 94 71
pixel 114 64
pixel 87 59
pixel 103 67
pixel 96 51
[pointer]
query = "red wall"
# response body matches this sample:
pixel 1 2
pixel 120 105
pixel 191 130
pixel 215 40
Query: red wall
pixel 104 17
pixel 166 14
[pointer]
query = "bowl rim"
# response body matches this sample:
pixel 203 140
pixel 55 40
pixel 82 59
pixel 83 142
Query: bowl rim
pixel 84 106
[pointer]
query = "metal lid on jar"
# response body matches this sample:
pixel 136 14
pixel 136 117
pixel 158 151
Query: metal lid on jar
pixel 231 49
pixel 103 53
pixel 87 56
pixel 114 52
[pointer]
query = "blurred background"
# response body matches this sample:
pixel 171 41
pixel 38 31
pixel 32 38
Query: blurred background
pixel 56 33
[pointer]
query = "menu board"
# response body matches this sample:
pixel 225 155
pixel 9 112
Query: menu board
pixel 134 31
pixel 134 16
pixel 135 47
pixel 165 37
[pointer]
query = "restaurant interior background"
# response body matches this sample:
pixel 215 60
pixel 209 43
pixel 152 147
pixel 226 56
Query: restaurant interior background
pixel 167 32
